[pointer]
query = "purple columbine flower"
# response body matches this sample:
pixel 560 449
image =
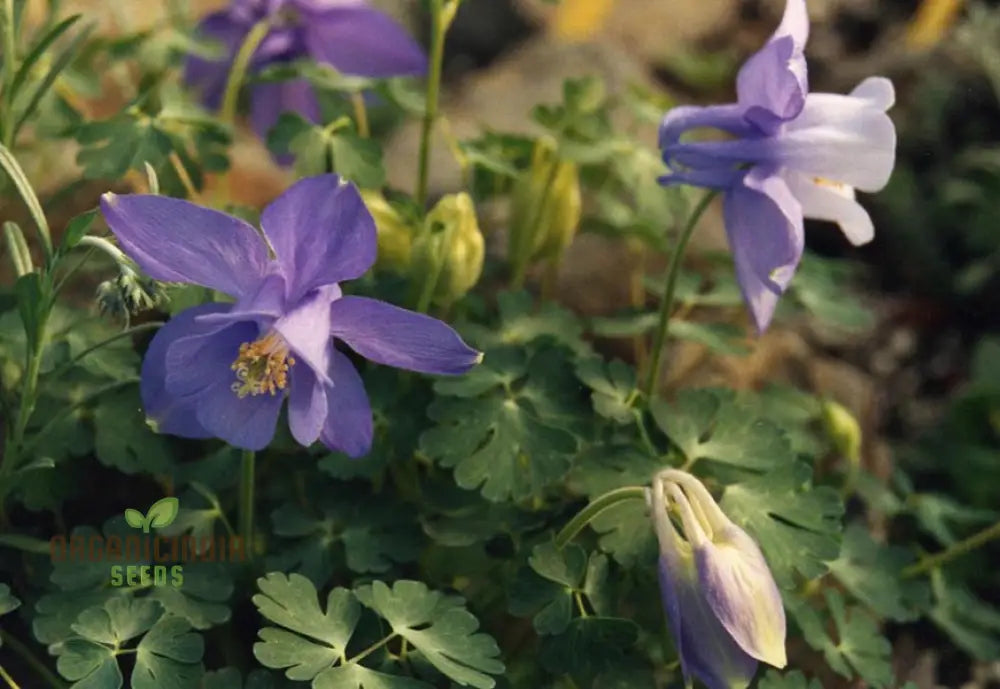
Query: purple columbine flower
pixel 224 369
pixel 796 154
pixel 349 35
pixel 723 606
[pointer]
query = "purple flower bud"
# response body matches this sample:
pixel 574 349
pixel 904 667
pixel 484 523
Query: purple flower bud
pixel 724 608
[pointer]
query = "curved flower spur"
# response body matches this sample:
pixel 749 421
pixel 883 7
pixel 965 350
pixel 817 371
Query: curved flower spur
pixel 723 605
pixel 349 35
pixel 796 154
pixel 224 370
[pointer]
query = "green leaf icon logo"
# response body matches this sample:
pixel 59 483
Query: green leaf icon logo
pixel 161 513
pixel 134 518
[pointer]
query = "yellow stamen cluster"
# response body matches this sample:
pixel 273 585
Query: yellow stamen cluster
pixel 262 366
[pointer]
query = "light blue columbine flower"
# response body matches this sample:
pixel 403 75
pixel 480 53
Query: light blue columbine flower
pixel 723 606
pixel 796 154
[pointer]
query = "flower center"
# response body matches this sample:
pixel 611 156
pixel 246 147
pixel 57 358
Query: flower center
pixel 262 366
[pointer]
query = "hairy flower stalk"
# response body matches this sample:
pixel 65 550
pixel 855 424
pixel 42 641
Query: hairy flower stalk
pixel 794 155
pixel 724 608
pixel 225 370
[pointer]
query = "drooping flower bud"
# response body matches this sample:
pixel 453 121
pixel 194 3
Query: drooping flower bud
pixel 844 430
pixel 546 207
pixel 129 293
pixel 450 248
pixel 724 608
pixel 395 236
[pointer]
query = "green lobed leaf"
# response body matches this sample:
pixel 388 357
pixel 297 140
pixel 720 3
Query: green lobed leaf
pixel 440 628
pixel 711 424
pixel 970 622
pixel 797 525
pixel 588 646
pixel 613 388
pixel 505 427
pixel 872 572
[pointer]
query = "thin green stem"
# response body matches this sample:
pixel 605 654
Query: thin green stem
pixel 8 679
pixel 953 551
pixel 371 649
pixel 70 408
pixel 360 114
pixel 247 467
pixel 238 72
pixel 596 506
pixel 667 304
pixel 439 27
pixel 26 544
pixel 32 660
pixel 128 332
pixel 9 71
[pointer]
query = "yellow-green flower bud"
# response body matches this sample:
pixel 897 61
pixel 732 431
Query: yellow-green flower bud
pixel 448 257
pixel 395 237
pixel 546 207
pixel 843 430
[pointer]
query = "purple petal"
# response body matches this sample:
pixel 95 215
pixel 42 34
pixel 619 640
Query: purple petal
pixel 307 407
pixel 209 77
pixel 362 41
pixel 306 329
pixel 321 232
pixel 270 99
pixel 177 241
pixel 247 423
pixel 262 306
pixel 683 118
pixel 198 368
pixel 764 225
pixel 835 203
pixel 711 178
pixel 348 426
pixel 741 592
pixel 173 414
pixel 773 83
pixel 706 649
pixel 204 357
pixel 840 138
pixel 396 337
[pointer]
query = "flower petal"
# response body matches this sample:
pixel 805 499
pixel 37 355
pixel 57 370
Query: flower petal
pixel 307 408
pixel 306 329
pixel 362 41
pixel 348 426
pixel 773 83
pixel 247 423
pixel 264 305
pixel 706 649
pixel 684 118
pixel 209 77
pixel 177 241
pixel 396 337
pixel 173 414
pixel 205 356
pixel 764 226
pixel 270 99
pixel 833 202
pixel 321 232
pixel 740 590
